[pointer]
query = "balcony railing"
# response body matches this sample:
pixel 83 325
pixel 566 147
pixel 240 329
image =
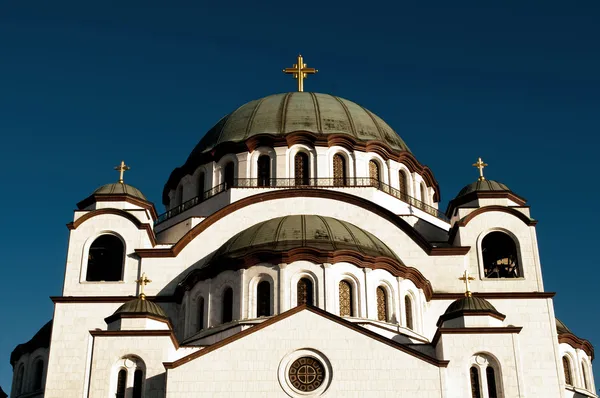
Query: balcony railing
pixel 303 183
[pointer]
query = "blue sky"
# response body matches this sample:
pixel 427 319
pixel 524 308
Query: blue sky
pixel 86 84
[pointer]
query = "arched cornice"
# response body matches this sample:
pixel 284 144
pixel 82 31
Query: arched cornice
pixel 117 212
pixel 306 193
pixel 118 198
pixel 576 342
pixel 301 137
pixel 496 208
pixel 313 255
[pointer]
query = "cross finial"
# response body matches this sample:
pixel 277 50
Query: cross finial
pixel 122 168
pixel 480 165
pixel 467 278
pixel 143 281
pixel 300 72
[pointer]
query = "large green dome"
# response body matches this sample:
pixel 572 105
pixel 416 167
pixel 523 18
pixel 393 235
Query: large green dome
pixel 281 114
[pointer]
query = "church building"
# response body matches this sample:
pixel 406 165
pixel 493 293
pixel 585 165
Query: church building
pixel 302 253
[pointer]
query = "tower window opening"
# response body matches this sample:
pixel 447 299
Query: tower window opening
pixel 500 259
pixel 105 259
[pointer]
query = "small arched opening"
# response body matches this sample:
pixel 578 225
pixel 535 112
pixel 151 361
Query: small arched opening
pixel 403 184
pixel 301 169
pixel 228 175
pixel 346 299
pixel 105 259
pixel 500 258
pixel 304 292
pixel 264 171
pixel 263 299
pixel 382 305
pixel 227 305
pixel 374 173
pixel 339 170
pixel 567 369
pixel 200 313
pixel 408 312
pixel 19 380
pixel 38 374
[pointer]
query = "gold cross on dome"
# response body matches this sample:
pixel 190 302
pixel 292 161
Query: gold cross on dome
pixel 467 278
pixel 480 165
pixel 122 168
pixel 143 281
pixel 300 72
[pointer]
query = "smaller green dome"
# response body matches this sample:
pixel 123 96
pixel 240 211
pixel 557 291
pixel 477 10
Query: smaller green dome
pixel 119 188
pixel 483 186
pixel 469 305
pixel 139 306
pixel 561 328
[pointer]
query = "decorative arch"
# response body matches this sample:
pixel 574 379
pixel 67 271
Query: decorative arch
pixel 105 259
pixel 404 182
pixel 349 291
pixel 499 254
pixel 227 170
pixel 502 209
pixel 568 370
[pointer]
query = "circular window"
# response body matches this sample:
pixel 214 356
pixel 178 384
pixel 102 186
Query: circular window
pixel 306 374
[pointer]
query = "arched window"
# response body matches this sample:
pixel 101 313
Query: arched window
pixel 304 292
pixel 228 175
pixel 121 383
pixel 227 310
pixel 19 380
pixel 138 380
pixel 475 387
pixel 585 375
pixel 403 183
pixel 38 374
pixel 346 299
pixel 423 193
pixel 408 311
pixel 201 186
pixel 301 169
pixel 500 259
pixel 382 307
pixel 201 313
pixel 105 259
pixel 264 171
pixel 179 197
pixel 339 170
pixel 263 299
pixel 491 382
pixel 567 369
pixel 374 173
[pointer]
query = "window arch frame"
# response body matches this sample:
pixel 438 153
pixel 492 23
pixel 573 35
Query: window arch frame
pixel 409 304
pixel 487 360
pixel 480 260
pixel 568 369
pixel 344 179
pixel 86 252
pixel 586 375
pixel 404 176
pixel 382 287
pixel 254 164
pixel 423 191
pixel 130 368
pixel 261 309
pixel 291 158
pixel 19 381
pixel 295 278
pixel 222 164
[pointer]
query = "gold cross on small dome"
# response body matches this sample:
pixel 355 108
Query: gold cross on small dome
pixel 300 72
pixel 122 168
pixel 143 281
pixel 467 278
pixel 480 165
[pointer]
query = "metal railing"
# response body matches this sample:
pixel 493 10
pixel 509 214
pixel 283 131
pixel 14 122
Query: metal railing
pixel 303 183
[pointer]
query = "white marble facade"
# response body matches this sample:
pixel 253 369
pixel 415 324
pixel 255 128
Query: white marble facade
pixel 389 344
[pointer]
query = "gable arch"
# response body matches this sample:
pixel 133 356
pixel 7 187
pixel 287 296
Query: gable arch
pixel 496 208
pixel 349 199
